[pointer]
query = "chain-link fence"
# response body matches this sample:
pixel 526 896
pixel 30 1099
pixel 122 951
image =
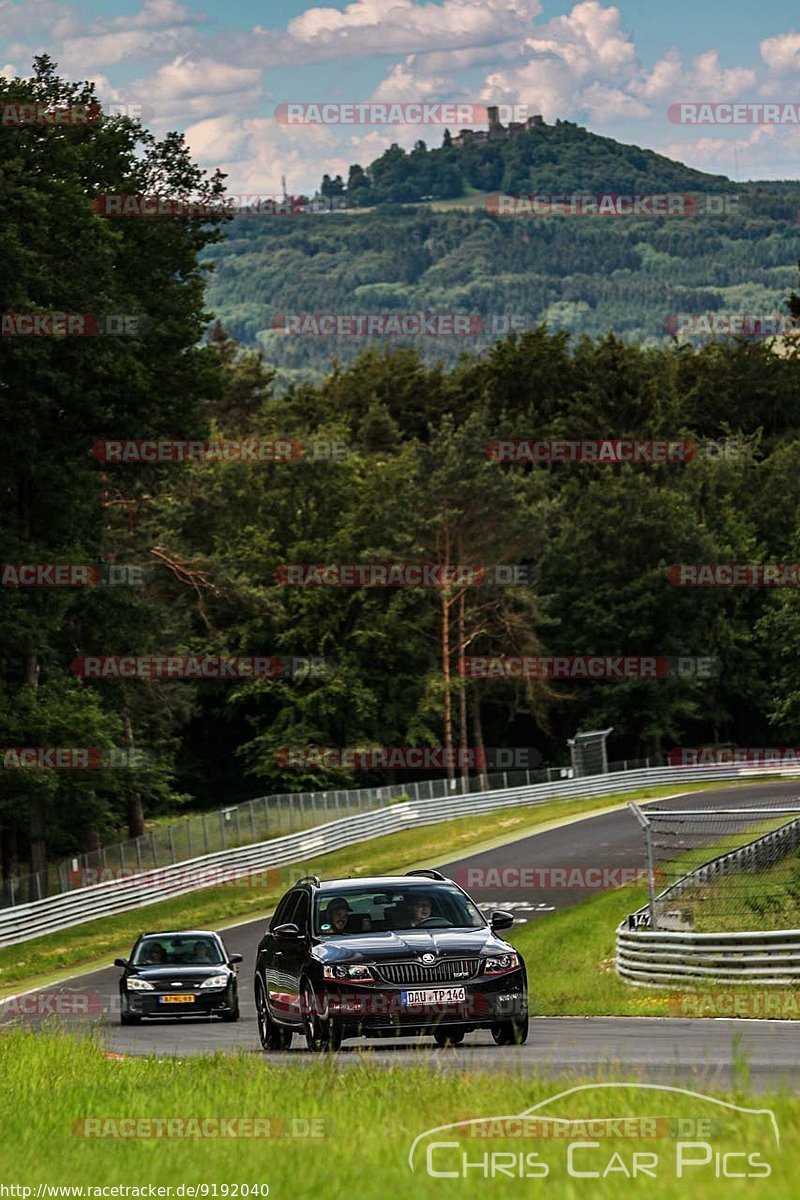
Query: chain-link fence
pixel 717 870
pixel 243 824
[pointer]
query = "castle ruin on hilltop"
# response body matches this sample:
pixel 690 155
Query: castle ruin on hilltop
pixel 496 131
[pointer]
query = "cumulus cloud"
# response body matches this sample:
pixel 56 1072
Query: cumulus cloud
pixel 781 54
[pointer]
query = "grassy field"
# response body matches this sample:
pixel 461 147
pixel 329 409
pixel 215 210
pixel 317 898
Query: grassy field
pixel 364 1120
pixel 765 900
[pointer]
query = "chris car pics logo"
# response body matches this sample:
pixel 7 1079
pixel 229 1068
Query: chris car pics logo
pixel 614 1131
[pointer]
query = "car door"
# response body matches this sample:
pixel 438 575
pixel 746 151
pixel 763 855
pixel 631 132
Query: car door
pixel 293 954
pixel 276 982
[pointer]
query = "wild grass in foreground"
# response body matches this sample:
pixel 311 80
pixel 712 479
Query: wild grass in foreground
pixel 368 1117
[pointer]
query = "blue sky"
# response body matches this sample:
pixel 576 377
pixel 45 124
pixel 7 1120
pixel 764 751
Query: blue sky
pixel 217 71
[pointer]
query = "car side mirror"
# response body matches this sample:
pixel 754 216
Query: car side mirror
pixel 236 958
pixel 501 920
pixel 121 962
pixel 288 932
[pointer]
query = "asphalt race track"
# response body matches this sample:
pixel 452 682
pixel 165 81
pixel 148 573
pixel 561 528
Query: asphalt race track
pixel 663 1049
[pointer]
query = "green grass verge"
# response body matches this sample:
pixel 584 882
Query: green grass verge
pixel 368 1116
pixel 751 901
pixel 570 957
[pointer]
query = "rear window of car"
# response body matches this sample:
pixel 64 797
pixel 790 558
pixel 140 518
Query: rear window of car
pixel 406 906
pixel 178 951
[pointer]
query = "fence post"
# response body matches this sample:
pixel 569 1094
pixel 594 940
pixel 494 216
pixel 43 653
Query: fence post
pixel 252 821
pixel 153 848
pixel 171 843
pixel 644 822
pixel 139 853
pixel 205 832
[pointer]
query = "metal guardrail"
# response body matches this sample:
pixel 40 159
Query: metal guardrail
pixel 55 913
pixel 245 824
pixel 654 958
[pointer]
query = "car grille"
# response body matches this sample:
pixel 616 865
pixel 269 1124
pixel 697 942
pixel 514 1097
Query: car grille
pixel 415 972
pixel 186 985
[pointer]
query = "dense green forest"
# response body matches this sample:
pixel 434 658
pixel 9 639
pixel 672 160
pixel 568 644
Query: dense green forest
pixel 584 273
pixel 414 485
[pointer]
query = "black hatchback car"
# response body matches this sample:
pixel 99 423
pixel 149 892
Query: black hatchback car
pixel 392 956
pixel 179 974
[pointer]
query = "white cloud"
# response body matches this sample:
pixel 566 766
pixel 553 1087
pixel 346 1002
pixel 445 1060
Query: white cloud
pixel 781 54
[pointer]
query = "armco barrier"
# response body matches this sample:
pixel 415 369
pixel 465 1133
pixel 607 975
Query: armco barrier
pixel 663 957
pixel 114 896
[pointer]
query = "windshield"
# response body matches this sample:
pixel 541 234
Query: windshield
pixel 352 910
pixel 178 952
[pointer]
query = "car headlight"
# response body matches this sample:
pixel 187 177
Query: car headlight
pixel 135 984
pixel 215 981
pixel 357 972
pixel 498 963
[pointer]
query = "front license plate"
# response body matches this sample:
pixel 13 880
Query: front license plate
pixel 184 999
pixel 450 995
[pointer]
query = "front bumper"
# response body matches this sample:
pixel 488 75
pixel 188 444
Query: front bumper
pixel 378 1008
pixel 205 1003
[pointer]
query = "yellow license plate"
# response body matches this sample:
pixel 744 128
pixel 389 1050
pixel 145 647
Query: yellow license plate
pixel 176 999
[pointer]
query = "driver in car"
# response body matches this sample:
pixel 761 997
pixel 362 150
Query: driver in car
pixel 421 909
pixel 337 914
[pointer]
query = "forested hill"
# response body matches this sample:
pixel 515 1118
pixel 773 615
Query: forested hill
pixel 588 274
pixel 546 158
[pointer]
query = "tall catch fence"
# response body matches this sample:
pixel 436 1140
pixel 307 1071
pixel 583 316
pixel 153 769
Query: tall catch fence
pixel 722 869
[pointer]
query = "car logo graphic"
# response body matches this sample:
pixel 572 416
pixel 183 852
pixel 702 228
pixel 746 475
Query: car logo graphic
pixel 176 983
pixel 429 958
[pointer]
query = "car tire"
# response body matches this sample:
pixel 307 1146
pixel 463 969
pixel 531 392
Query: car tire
pixel 449 1035
pixel 128 1018
pixel 232 1014
pixel 272 1036
pixel 321 1032
pixel 510 1033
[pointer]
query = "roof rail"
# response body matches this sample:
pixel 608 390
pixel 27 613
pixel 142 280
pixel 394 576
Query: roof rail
pixel 312 879
pixel 428 873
